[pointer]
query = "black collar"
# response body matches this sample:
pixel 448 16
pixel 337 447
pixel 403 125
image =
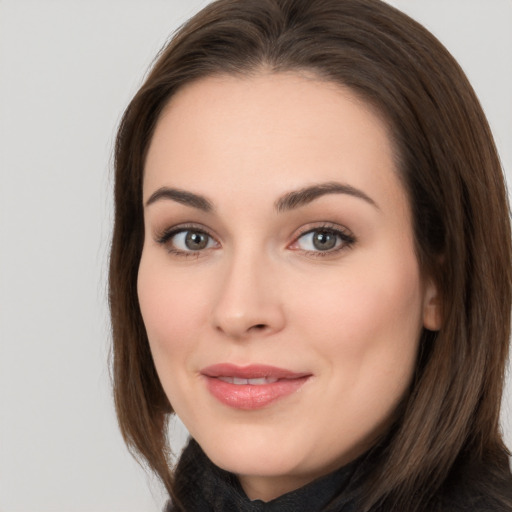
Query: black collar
pixel 203 487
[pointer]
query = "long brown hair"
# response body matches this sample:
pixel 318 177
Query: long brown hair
pixel 449 166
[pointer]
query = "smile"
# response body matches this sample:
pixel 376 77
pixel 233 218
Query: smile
pixel 251 387
pixel 252 382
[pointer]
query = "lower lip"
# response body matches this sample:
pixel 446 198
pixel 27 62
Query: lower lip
pixel 249 396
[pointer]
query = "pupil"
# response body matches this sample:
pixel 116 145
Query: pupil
pixel 195 241
pixel 323 240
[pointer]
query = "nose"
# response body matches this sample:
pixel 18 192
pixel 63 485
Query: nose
pixel 248 302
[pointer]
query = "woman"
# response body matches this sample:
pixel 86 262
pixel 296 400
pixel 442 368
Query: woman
pixel 311 266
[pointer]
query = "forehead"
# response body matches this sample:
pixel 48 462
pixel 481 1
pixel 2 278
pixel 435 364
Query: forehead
pixel 287 129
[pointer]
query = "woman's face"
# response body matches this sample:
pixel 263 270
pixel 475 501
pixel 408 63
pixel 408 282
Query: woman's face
pixel 278 282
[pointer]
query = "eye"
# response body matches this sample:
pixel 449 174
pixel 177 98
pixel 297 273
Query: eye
pixel 323 240
pixel 192 240
pixel 184 241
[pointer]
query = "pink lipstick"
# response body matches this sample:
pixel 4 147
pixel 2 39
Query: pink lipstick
pixel 251 387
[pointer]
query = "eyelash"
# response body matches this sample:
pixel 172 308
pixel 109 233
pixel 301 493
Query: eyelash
pixel 168 234
pixel 345 237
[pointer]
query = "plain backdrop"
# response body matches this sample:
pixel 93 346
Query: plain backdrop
pixel 67 70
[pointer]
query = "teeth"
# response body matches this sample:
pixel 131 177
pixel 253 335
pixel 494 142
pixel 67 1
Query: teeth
pixel 253 382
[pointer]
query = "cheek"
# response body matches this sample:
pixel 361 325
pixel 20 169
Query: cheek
pixel 369 317
pixel 367 330
pixel 171 309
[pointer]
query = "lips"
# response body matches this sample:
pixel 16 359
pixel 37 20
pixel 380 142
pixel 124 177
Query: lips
pixel 251 387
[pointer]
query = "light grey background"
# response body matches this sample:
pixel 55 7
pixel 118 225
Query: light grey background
pixel 67 70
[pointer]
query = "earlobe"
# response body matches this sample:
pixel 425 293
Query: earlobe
pixel 432 317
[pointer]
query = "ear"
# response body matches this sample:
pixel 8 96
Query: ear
pixel 432 317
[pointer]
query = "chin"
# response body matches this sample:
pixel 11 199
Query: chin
pixel 253 453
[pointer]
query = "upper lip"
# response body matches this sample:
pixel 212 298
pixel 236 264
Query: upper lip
pixel 252 371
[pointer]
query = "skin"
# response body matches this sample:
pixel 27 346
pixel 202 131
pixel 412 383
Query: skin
pixel 260 292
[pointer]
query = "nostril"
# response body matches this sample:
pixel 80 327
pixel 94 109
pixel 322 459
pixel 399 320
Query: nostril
pixel 259 327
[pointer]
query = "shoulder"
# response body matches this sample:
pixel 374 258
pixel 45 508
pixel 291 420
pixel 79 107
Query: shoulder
pixel 472 501
pixel 483 490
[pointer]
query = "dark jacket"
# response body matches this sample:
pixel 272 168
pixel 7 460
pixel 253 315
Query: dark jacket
pixel 203 487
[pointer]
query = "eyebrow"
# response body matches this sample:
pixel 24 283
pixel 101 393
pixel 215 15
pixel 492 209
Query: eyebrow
pixel 182 197
pixel 289 201
pixel 298 198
